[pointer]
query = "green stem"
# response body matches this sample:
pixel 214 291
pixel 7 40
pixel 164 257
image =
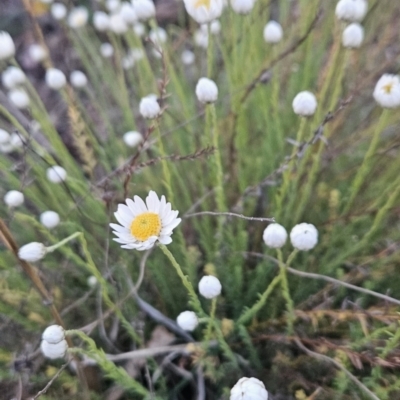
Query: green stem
pixel 366 164
pixel 211 320
pixel 192 294
pixel 210 52
pixel 64 241
pixel 286 292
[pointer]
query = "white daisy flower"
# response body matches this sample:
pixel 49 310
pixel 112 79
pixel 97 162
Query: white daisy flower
pixel 142 224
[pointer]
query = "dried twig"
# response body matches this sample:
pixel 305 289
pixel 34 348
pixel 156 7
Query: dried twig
pixel 46 388
pixel 338 366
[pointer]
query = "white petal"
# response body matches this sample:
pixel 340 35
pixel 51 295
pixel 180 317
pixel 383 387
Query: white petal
pixel 140 204
pixel 165 239
pixel 132 206
pixel 121 219
pixel 119 228
pixel 152 201
pixel 169 218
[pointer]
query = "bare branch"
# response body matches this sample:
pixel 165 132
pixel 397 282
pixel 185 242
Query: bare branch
pixel 228 214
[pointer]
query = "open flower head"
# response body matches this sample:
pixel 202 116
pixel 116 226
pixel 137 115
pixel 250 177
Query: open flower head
pixel 387 91
pixel 203 11
pixel 144 223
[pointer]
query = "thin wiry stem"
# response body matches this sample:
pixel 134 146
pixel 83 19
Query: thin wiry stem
pixel 228 214
pixel 337 365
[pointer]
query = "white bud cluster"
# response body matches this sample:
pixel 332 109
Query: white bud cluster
pixel 53 343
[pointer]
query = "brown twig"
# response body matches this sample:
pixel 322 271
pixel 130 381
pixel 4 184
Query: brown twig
pixel 228 214
pixel 46 388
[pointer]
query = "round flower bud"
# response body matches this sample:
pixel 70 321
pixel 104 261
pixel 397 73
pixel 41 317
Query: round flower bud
pixel 387 91
pixel 128 13
pixel 206 90
pixel 273 32
pixel 53 334
pixel 7 47
pixel 113 5
pixel 242 6
pixel 106 50
pixel 158 36
pixel 144 9
pixel 275 236
pixel 187 320
pixel 55 79
pixel 32 252
pixel 19 98
pixel 304 104
pixel 118 24
pixel 54 351
pixel 353 36
pixel 78 79
pixel 37 52
pixel 187 57
pixel 16 140
pixel 4 136
pixel 49 219
pixel 101 21
pixel 92 281
pixel 201 38
pixel 132 138
pixel 304 236
pixel 210 286
pixel 149 107
pixel 58 11
pixel 78 17
pixel 12 77
pixel 351 10
pixel 215 27
pixel 249 389
pixel 139 29
pixel 56 174
pixel 204 11
pixel 14 198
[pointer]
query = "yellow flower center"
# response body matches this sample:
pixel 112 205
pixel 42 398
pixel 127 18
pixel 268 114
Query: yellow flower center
pixel 388 88
pixel 205 3
pixel 146 225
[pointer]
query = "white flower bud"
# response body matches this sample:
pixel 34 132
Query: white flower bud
pixel 78 79
pixel 273 32
pixel 206 90
pixel 387 91
pixel 106 50
pixel 132 138
pixel 55 79
pixel 37 52
pixel 158 36
pixel 49 219
pixel 139 29
pixel 242 6
pixel 201 38
pixel 204 13
pixel 128 13
pixel 144 9
pixel 14 198
pixel 351 10
pixel 304 236
pixel 92 281
pixel 53 334
pixel 78 17
pixel 353 35
pixel 187 320
pixel 7 46
pixel 275 236
pixel 16 140
pixel 215 27
pixel 101 21
pixel 210 286
pixel 32 252
pixel 54 351
pixel 113 5
pixel 187 57
pixel 12 77
pixel 118 24
pixel 304 104
pixel 137 54
pixel 4 136
pixel 149 107
pixel 19 98
pixel 56 174
pixel 249 389
pixel 58 11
